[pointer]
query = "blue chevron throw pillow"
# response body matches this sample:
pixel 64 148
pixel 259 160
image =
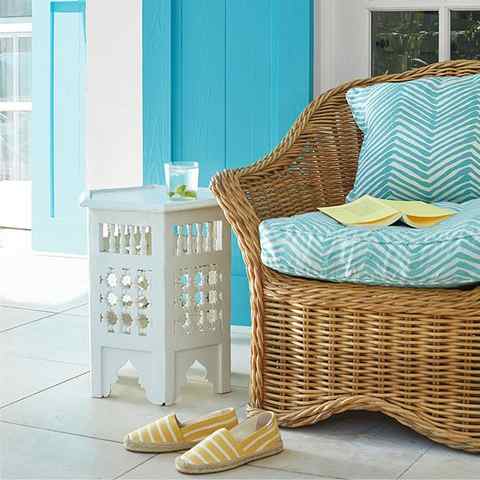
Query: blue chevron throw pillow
pixel 421 139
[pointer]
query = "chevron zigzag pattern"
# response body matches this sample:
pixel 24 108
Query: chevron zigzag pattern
pixel 314 245
pixel 421 139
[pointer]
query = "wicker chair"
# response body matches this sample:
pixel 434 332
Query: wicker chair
pixel 321 348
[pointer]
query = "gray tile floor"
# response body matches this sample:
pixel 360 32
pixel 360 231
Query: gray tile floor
pixel 51 428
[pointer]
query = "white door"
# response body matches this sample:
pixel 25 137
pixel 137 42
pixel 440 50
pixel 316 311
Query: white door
pixel 362 38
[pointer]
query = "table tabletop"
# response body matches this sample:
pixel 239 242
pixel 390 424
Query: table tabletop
pixel 147 198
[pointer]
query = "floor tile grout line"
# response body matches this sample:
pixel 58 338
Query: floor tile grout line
pixel 72 308
pixel 49 315
pixel 42 390
pixel 133 468
pixel 63 432
pixel 30 309
pixel 44 359
pixel 55 312
pixel 427 449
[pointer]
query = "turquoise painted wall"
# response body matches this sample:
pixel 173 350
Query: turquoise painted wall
pixel 223 82
pixel 58 163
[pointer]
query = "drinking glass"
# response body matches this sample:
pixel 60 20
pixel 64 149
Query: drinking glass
pixel 182 180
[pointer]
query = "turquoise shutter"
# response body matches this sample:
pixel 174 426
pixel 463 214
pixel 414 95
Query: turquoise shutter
pixel 58 163
pixel 223 81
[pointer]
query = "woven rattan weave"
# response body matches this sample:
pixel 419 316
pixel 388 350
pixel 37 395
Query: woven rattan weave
pixel 321 348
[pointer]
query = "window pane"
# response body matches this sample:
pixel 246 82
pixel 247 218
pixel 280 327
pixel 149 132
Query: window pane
pixel 465 36
pixel 15 8
pixel 15 145
pixel 25 69
pixel 6 69
pixel 403 40
pixel 16 68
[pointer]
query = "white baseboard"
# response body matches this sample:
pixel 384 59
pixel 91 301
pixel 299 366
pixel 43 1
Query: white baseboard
pixel 241 331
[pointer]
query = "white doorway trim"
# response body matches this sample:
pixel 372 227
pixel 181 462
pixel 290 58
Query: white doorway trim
pixel 324 13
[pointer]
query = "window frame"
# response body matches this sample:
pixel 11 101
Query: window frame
pixel 16 27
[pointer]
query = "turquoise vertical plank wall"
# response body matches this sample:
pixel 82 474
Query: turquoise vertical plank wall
pixel 157 87
pixel 58 164
pixel 223 82
pixel 198 82
pixel 183 85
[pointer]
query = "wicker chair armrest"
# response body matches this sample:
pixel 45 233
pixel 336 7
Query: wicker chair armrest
pixel 308 169
pixel 239 213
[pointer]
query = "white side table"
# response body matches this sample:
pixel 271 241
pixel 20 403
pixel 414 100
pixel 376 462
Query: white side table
pixel 159 289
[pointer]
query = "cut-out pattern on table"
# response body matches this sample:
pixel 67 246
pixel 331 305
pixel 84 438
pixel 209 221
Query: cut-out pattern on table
pixel 125 239
pixel 199 299
pixel 124 300
pixel 198 238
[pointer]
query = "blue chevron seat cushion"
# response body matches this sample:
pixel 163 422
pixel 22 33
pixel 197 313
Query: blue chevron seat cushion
pixel 421 139
pixel 314 245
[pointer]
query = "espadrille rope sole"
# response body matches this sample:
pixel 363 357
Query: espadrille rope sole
pixel 190 469
pixel 157 448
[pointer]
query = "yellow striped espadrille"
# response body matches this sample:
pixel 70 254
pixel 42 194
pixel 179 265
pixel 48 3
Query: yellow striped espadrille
pixel 255 438
pixel 168 434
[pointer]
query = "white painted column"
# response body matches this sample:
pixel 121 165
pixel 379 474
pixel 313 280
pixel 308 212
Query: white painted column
pixel 114 131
